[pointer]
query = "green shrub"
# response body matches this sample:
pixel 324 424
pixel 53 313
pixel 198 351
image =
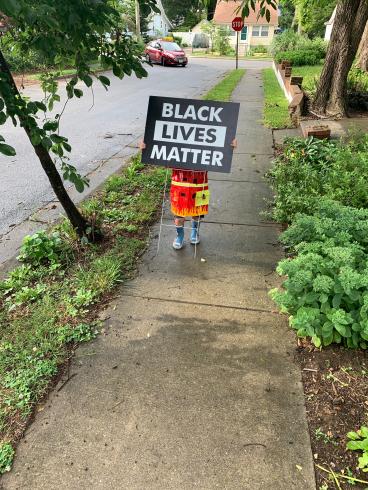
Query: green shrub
pixel 41 248
pixel 222 40
pixel 291 41
pixel 299 58
pixel 310 168
pixel 325 293
pixel 332 221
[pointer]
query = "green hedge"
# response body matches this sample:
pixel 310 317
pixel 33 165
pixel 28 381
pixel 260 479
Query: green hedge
pixel 299 58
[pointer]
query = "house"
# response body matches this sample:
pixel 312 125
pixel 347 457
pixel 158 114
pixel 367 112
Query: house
pixel 158 23
pixel 329 25
pixel 257 31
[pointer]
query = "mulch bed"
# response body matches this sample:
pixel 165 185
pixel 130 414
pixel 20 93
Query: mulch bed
pixel 336 396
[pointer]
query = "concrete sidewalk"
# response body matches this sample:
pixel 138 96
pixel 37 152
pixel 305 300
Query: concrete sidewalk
pixel 193 384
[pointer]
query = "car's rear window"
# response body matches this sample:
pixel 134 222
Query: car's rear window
pixel 170 46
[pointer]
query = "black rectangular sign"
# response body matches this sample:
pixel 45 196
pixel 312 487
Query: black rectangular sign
pixel 190 134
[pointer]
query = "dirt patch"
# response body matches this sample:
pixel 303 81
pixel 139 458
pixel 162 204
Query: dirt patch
pixel 336 396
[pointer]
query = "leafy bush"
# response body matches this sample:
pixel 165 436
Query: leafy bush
pixel 291 41
pixel 222 40
pixel 325 293
pixel 359 442
pixel 299 58
pixel 311 168
pixel 321 190
pixel 42 248
pixel 331 221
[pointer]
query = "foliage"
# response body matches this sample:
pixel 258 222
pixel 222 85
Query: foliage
pixel 299 57
pixel 19 61
pixel 291 41
pixel 325 293
pixel 312 15
pixel 224 89
pixel 221 40
pixel 358 80
pixel 309 169
pixel 321 190
pixel 287 9
pixel 6 457
pixel 259 49
pixel 359 442
pixel 331 221
pixel 275 112
pixel 41 248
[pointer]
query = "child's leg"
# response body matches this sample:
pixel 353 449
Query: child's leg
pixel 194 236
pixel 179 240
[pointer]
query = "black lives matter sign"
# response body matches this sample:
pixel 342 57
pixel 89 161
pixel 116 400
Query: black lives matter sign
pixel 190 134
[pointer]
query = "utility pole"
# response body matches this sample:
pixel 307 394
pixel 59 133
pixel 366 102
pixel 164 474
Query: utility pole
pixel 137 20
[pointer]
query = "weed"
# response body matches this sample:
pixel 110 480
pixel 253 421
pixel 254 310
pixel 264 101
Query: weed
pixel 359 442
pixel 42 248
pixel 326 438
pixel 6 456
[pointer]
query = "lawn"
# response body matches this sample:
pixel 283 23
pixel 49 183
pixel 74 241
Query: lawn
pixel 224 89
pixel 50 302
pixel 275 113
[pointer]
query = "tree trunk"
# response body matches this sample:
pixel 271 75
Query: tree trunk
pixel 75 217
pixel 362 62
pixel 331 96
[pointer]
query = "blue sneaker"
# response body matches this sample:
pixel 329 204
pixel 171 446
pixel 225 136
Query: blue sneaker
pixel 194 236
pixel 179 240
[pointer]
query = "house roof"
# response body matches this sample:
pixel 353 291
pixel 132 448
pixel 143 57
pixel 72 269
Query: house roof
pixel 227 10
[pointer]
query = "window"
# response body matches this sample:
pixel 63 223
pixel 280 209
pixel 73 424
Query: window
pixel 244 33
pixel 260 31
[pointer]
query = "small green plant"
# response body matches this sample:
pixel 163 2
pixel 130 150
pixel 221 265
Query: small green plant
pixel 359 442
pixel 6 457
pixel 42 248
pixel 326 438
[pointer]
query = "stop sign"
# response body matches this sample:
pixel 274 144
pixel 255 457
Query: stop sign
pixel 237 24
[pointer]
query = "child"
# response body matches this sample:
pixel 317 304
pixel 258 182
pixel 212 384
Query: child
pixel 189 196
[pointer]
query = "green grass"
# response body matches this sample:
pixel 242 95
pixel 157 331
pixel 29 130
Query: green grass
pixel 310 76
pixel 50 302
pixel 275 112
pixel 223 90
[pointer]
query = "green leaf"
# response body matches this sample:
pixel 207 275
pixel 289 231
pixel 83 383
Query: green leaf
pixel 78 93
pixel 341 329
pixel 104 80
pixel 7 150
pixel 316 341
pixel 2 117
pixel 87 80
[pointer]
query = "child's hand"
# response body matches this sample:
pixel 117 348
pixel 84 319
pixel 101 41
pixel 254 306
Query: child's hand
pixel 142 145
pixel 234 144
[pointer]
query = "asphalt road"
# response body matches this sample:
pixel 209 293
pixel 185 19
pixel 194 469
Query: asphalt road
pixel 98 126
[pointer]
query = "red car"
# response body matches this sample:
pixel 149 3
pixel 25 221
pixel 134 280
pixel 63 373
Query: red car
pixel 165 53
